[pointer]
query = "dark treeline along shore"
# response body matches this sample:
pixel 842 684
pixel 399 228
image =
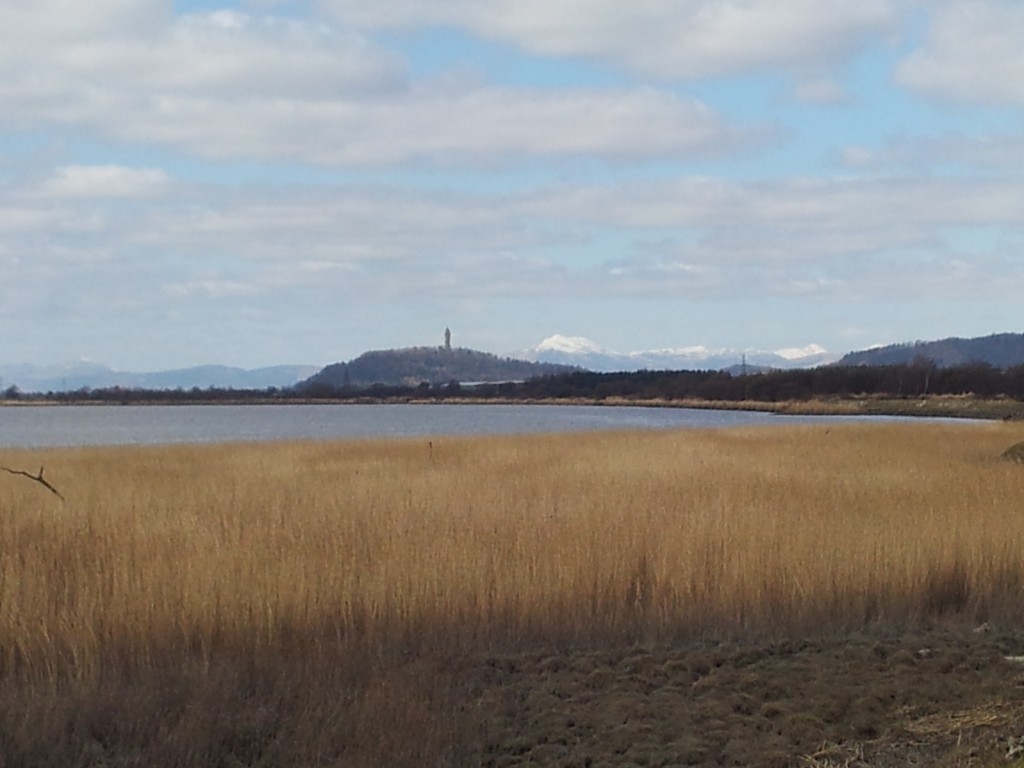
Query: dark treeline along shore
pixel 870 388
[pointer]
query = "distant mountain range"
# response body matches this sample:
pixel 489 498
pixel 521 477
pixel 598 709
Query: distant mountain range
pixel 582 352
pixel 68 377
pixel 1001 350
pixel 556 353
pixel 433 365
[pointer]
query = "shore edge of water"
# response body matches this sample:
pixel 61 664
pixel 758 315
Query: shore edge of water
pixel 951 406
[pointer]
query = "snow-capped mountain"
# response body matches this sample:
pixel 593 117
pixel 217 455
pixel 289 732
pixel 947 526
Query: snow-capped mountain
pixel 564 350
pixel 577 350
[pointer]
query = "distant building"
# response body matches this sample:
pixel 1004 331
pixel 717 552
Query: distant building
pixel 447 340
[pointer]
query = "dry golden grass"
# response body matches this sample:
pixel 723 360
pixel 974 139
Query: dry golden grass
pixel 285 575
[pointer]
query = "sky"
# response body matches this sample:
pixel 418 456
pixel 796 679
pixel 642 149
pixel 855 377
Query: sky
pixel 262 182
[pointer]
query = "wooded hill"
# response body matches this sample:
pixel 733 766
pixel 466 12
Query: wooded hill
pixel 1002 350
pixel 430 365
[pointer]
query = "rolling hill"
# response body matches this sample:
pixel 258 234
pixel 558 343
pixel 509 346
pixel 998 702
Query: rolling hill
pixel 433 365
pixel 1001 350
pixel 68 377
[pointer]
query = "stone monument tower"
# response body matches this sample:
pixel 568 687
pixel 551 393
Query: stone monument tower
pixel 447 340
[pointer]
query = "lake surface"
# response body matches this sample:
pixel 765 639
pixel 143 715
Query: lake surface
pixel 76 425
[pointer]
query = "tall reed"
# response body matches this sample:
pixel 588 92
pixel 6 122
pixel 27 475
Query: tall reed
pixel 489 540
pixel 327 560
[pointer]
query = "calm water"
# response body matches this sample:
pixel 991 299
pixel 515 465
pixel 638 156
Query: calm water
pixel 49 426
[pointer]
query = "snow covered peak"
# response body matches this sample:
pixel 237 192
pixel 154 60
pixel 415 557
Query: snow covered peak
pixel 578 350
pixel 570 345
pixel 795 353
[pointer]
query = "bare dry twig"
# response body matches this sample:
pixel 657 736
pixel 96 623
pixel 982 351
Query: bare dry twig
pixel 38 478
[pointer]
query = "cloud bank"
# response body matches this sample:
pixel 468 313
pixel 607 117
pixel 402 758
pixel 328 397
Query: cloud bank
pixel 264 182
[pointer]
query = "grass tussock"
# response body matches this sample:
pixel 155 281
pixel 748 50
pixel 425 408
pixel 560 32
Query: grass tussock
pixel 283 604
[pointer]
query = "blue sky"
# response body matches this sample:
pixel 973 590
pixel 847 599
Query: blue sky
pixel 297 181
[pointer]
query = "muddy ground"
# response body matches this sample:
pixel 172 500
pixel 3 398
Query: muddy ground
pixel 939 697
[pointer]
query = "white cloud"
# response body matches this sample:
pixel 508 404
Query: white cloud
pixel 126 75
pixel 124 56
pixel 796 205
pixel 231 86
pixel 687 238
pixel 486 126
pixel 663 38
pixel 310 257
pixel 972 53
pixel 21 218
pixel 103 181
pixel 97 231
pixel 229 53
pixel 924 154
pixel 71 22
pixel 211 288
pixel 834 239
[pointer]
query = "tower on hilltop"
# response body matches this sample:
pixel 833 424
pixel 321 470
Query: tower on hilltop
pixel 447 340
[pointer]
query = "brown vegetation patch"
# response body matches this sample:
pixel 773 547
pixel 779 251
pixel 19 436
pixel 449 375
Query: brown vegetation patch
pixel 942 697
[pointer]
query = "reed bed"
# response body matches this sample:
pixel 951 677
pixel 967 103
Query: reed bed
pixel 310 586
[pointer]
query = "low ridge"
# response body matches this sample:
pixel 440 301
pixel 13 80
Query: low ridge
pixel 432 365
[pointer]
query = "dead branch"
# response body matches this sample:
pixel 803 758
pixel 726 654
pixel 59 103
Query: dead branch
pixel 38 478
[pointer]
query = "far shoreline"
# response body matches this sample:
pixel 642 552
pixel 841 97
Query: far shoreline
pixel 933 406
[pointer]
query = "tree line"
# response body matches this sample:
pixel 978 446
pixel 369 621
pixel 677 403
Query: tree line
pixel 899 381
pixel 918 379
